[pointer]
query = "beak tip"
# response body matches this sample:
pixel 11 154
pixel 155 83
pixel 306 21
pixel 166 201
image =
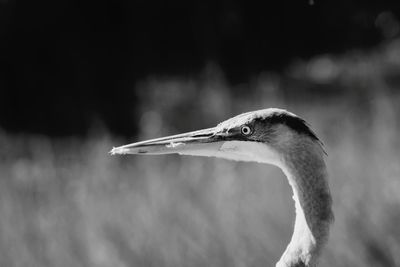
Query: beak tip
pixel 118 151
pixel 112 151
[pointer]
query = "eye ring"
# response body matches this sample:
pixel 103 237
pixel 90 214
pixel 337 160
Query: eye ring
pixel 246 130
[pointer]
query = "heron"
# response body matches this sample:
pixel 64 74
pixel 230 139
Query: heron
pixel 273 136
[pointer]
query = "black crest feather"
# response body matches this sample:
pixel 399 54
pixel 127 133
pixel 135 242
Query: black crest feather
pixel 295 123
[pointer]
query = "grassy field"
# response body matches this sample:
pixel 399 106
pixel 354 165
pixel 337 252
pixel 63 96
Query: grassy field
pixel 67 202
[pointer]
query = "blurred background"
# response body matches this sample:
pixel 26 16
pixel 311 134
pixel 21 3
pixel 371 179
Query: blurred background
pixel 79 77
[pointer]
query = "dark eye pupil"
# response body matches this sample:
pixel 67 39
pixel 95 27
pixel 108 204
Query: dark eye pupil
pixel 245 130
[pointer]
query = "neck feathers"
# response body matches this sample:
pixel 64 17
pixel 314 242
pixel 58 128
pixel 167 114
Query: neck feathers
pixel 304 165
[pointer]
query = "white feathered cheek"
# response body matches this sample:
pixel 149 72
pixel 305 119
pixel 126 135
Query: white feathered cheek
pixel 249 151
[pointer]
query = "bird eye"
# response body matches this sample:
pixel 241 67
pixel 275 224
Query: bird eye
pixel 246 130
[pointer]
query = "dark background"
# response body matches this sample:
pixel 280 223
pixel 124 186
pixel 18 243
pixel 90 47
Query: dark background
pixel 64 64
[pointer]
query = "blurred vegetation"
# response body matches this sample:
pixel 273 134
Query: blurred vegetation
pixel 67 202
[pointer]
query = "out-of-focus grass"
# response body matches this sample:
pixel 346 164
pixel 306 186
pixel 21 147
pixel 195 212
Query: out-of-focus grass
pixel 68 202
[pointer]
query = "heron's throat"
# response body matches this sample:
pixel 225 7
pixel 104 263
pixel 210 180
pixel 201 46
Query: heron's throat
pixel 307 175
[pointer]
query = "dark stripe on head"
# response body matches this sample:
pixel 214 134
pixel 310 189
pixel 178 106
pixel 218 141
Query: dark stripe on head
pixel 295 123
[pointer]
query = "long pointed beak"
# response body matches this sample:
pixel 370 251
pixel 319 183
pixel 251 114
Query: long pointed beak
pixel 200 142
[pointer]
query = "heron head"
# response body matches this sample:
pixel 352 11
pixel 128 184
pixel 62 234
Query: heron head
pixel 273 136
pixel 260 136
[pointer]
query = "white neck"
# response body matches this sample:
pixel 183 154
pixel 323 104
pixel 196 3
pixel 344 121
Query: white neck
pixel 303 163
pixel 306 172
